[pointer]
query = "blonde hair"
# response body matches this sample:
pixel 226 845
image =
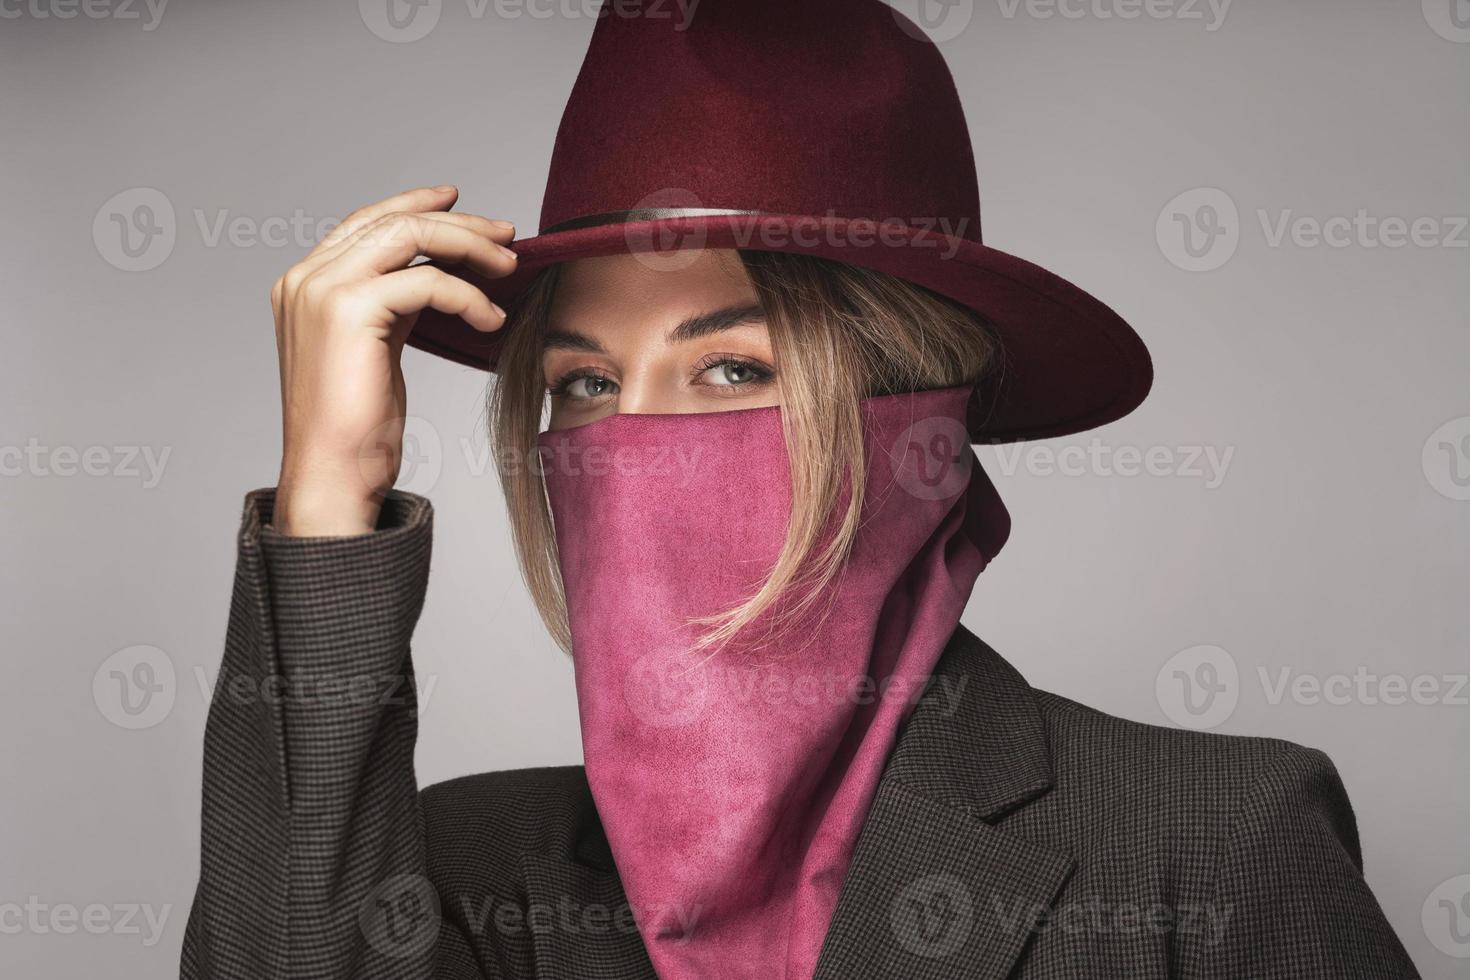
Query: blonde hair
pixel 839 333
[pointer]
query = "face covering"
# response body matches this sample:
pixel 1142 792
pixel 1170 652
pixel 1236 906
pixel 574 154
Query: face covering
pixel 732 783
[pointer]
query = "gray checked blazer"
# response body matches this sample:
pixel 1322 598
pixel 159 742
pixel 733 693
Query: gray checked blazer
pixel 1014 834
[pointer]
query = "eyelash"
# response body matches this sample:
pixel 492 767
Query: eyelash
pixel 559 387
pixel 762 373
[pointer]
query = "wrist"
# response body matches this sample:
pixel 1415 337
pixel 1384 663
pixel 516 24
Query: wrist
pixel 312 509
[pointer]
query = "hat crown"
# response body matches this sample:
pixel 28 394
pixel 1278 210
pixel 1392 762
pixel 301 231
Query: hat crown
pixel 809 107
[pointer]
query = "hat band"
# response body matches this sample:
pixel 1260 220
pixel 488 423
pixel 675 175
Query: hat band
pixel 642 214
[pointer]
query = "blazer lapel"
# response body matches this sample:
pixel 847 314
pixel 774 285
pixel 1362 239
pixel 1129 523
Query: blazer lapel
pixel 586 929
pixel 935 890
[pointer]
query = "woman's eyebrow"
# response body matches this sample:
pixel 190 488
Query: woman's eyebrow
pixel 715 321
pixel 690 328
pixel 571 340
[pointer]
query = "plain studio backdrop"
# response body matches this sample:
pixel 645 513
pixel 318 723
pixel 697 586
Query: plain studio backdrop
pixel 1275 544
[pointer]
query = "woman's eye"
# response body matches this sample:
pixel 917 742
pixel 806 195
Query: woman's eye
pixel 730 373
pixel 586 386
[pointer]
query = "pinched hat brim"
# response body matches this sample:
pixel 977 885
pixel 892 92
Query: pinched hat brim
pixel 1067 362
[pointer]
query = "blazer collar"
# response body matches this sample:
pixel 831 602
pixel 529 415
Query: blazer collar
pixel 975 740
pixel 936 889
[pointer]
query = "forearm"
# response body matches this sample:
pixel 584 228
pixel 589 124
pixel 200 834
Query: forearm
pixel 312 839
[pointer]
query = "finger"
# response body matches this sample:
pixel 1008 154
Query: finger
pixel 394 241
pixel 500 232
pixel 439 198
pixel 410 291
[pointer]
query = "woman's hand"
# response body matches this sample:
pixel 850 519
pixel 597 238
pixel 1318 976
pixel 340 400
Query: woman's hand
pixel 342 317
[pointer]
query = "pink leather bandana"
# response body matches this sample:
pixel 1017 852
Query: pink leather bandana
pixel 732 785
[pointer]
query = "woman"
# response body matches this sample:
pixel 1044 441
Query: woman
pixel 753 520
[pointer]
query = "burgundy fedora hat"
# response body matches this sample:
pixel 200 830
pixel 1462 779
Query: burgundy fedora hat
pixel 826 127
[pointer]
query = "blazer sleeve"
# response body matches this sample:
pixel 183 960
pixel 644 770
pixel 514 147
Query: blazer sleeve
pixel 1290 898
pixel 312 857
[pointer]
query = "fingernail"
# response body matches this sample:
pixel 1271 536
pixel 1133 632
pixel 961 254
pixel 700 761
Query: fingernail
pixel 502 225
pixel 507 252
pixel 443 188
pixel 496 307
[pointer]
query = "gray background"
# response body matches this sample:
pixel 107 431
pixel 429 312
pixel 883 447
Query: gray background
pixel 1335 375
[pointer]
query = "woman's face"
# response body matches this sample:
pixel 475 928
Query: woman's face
pixel 626 336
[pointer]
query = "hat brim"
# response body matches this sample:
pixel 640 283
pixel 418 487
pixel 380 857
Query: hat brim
pixel 1068 362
